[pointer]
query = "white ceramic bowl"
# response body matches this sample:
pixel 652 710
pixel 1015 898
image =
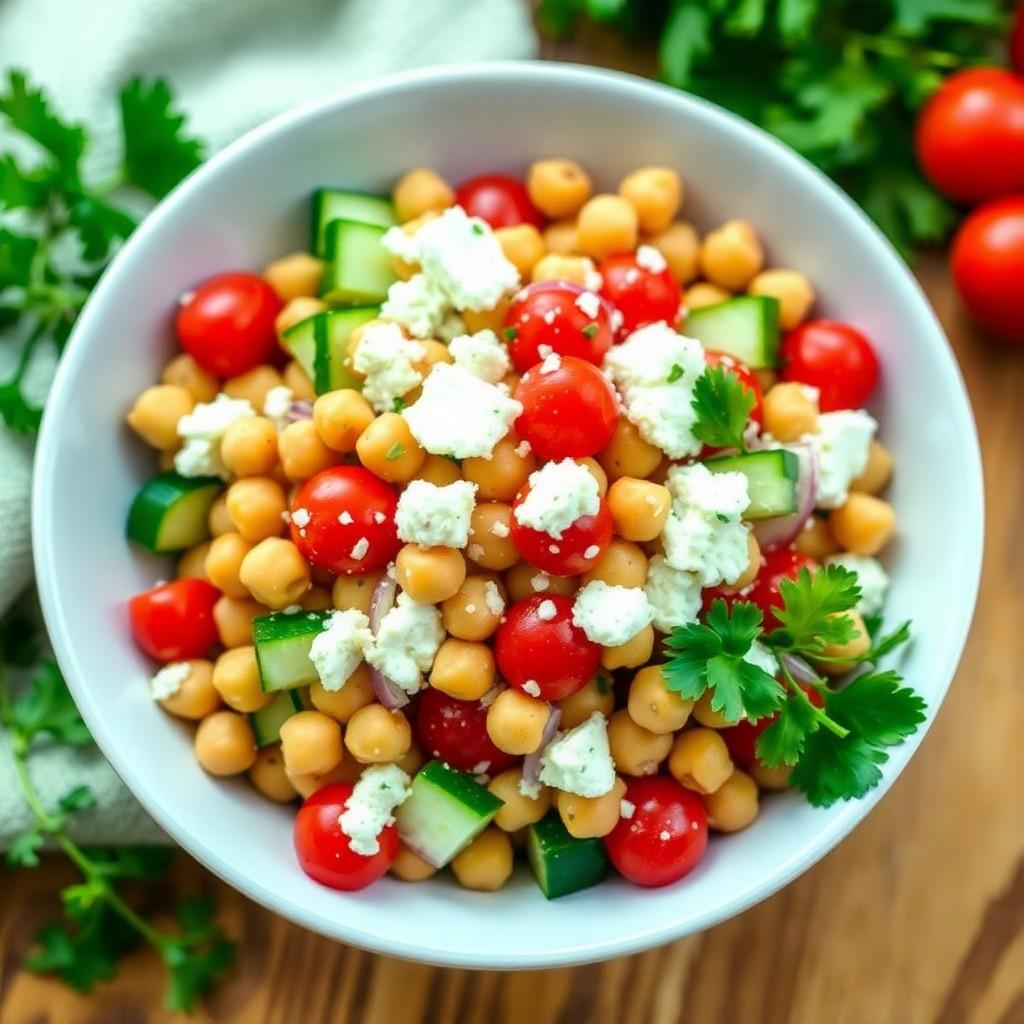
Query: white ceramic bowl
pixel 249 204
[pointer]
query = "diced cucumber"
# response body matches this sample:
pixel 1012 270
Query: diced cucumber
pixel 300 340
pixel 560 863
pixel 319 345
pixel 746 327
pixel 337 204
pixel 266 723
pixel 358 268
pixel 771 480
pixel 170 511
pixel 282 642
pixel 445 811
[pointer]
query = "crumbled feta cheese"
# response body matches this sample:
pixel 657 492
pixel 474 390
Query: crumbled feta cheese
pixel 544 351
pixel 592 552
pixel 593 280
pixel 500 528
pixel 522 449
pixel 451 327
pixel 872 579
pixel 650 259
pixel 433 516
pixel 379 517
pixel 277 405
pixel 407 639
pixel 202 430
pixel 626 809
pixel 345 518
pixel 532 687
pixel 301 518
pixel 370 807
pixel 704 533
pixel 611 615
pixel 482 354
pixel 360 548
pixel 460 415
pixel 547 610
pixel 674 596
pixel 169 680
pixel 551 363
pixel 419 305
pixel 550 316
pixel 480 767
pixel 654 370
pixel 560 493
pixel 664 835
pixel 470 608
pixel 540 582
pixel 579 761
pixel 386 358
pixel 531 790
pixel 843 443
pixel 337 651
pixel 589 304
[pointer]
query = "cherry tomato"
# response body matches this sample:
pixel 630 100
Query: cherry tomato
pixel 325 852
pixel 833 357
pixel 746 377
pixel 1017 40
pixel 343 520
pixel 741 738
pixel 174 621
pixel 568 412
pixel 456 732
pixel 641 295
pixel 227 323
pixel 553 315
pixel 552 653
pixel 776 565
pixel 576 551
pixel 500 200
pixel 666 836
pixel 988 266
pixel 970 135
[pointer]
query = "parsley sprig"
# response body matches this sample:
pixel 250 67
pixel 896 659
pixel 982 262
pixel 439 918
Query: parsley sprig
pixel 834 739
pixel 99 926
pixel 58 229
pixel 723 406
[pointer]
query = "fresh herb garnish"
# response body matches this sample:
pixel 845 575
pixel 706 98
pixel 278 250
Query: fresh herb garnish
pixel 396 451
pixel 591 330
pixel 398 404
pixel 723 405
pixel 675 373
pixel 510 333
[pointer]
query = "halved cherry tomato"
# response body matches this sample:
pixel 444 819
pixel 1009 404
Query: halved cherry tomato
pixel 576 551
pixel 456 732
pixel 776 565
pixel 343 520
pixel 325 852
pixel 746 377
pixel 551 653
pixel 641 295
pixel 174 621
pixel 665 837
pixel 557 316
pixel 835 358
pixel 569 411
pixel 499 199
pixel 227 323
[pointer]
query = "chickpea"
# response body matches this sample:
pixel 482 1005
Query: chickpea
pixel 490 540
pixel 340 417
pixel 463 669
pixel 237 679
pixel 256 506
pixel 639 508
pixel 439 471
pixel 487 319
pixel 268 776
pixel 771 778
pixel 430 575
pixel 575 269
pixel 704 293
pixel 434 352
pixel 375 735
pixel 386 447
pixel 523 247
pixel 518 810
pixel 766 378
pixel 653 705
pixel 296 378
pixel 656 193
pixel 297 275
pixel 500 477
pixel 636 750
pixel 622 563
pixel 316 599
pixel 223 561
pixel 560 237
pixel 858 644
pixel 680 245
pixel 793 290
pixel 877 472
pixel 634 652
pixel 412 760
pixel 254 385
pixel 311 743
pixel 275 573
pixel 707 716
pixel 863 525
pixel 596 470
pixel 421 191
pixel 224 744
pixel 155 414
pixel 597 695
pixel 165 461
pixel 196 697
pixel 342 704
pixel 192 564
pixel 816 539
pixel 700 760
pixel 734 805
pixel 516 721
pixel 731 255
pixel 486 864
pixel 186 373
pixel 347 770
pixel 591 817
pixel 217 519
pixel 355 591
pixel 233 619
pixel 468 614
pixel 607 225
pixel 524 580
pixel 753 567
pixel 628 454
pixel 410 867
pixel 249 446
pixel 558 188
pixel 302 451
pixel 790 411
pixel 295 311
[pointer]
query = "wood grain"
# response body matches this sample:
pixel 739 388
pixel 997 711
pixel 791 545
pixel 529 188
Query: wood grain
pixel 917 918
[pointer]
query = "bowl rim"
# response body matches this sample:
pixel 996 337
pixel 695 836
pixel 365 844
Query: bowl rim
pixel 555 73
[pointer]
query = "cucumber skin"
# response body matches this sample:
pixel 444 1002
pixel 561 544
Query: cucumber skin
pixel 322 197
pixel 338 294
pixel 327 375
pixel 149 506
pixel 263 736
pixel 789 471
pixel 560 863
pixel 462 786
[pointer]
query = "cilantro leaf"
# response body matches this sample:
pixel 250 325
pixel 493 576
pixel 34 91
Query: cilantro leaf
pixel 795 18
pixel 19 189
pixel 723 406
pixel 914 15
pixel 16 255
pixel 889 642
pixel 197 957
pixel 47 707
pixel 692 647
pixel 685 37
pixel 877 708
pixel 742 689
pixel 28 111
pixel 85 951
pixel 80 798
pixel 812 605
pixel 99 226
pixel 782 742
pixel 832 769
pixel 141 863
pixel 738 626
pixel 23 851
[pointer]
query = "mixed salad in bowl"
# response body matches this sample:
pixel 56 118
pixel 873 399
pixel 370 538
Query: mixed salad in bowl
pixel 514 518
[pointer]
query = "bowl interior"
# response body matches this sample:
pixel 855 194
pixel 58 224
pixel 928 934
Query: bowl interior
pixel 250 204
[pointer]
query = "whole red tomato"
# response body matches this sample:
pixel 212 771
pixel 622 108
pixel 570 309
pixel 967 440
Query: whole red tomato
pixel 456 732
pixel 988 267
pixel 576 551
pixel 835 358
pixel 499 199
pixel 970 135
pixel 642 289
pixel 174 621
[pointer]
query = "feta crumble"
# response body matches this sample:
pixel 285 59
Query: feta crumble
pixel 202 430
pixel 522 449
pixel 650 259
pixel 626 809
pixel 277 405
pixel 761 656
pixel 169 680
pixel 419 305
pixel 386 358
pixel 532 687
pixel 482 354
pixel 301 518
pixel 345 518
pixel 611 615
pixel 339 648
pixel 547 610
pixel 551 363
pixel 560 493
pixel 579 761
pixel 872 579
pixel 407 640
pixel 674 595
pixel 588 303
pixel 500 528
pixel 433 516
pixel 370 807
pixel 843 444
pixel 540 582
pixel 360 548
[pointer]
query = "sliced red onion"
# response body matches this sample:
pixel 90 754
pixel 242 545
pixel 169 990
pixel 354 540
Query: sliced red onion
pixel 299 411
pixel 385 689
pixel 531 763
pixel 783 530
pixel 799 669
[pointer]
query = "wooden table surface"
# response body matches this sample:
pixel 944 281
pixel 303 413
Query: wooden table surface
pixel 917 917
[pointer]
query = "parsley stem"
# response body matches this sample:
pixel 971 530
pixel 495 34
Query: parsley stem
pixel 886 46
pixel 819 714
